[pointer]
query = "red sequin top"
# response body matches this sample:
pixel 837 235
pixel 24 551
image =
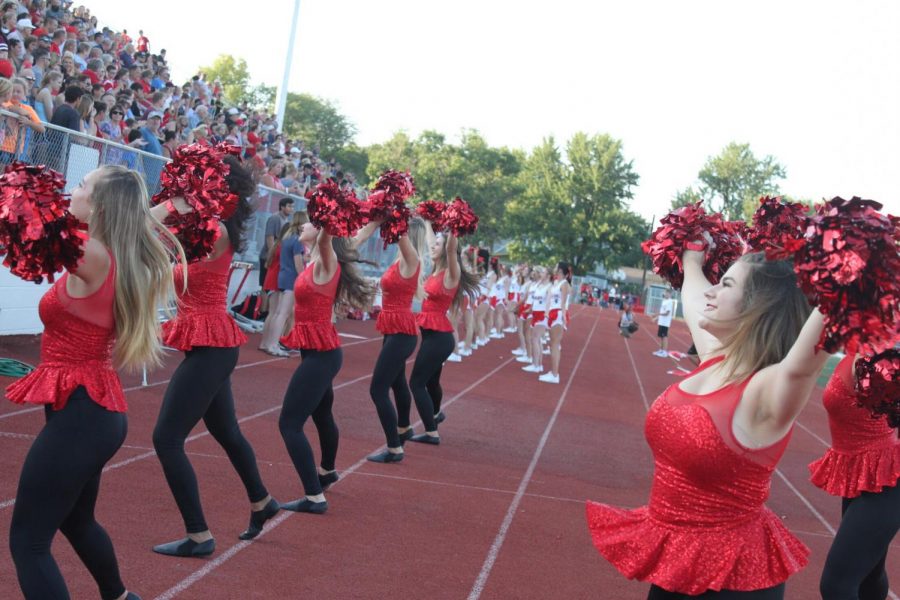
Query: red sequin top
pixel 202 319
pixel 396 314
pixel 705 527
pixel 76 349
pixel 436 304
pixel 865 452
pixel 313 309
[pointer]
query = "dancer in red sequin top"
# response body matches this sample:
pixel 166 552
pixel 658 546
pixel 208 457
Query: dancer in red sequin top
pixel 200 387
pixel 862 466
pixel 716 437
pixel 400 283
pixel 93 323
pixel 446 286
pixel 330 280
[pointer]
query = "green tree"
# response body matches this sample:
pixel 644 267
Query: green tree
pixel 733 181
pixel 485 176
pixel 355 160
pixel 576 209
pixel 317 122
pixel 234 76
pixel 261 97
pixel 684 197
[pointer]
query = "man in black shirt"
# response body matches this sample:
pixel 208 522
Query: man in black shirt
pixel 67 117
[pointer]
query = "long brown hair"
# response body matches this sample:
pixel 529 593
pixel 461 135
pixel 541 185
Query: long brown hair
pixel 353 289
pixel 773 314
pixel 468 282
pixel 144 250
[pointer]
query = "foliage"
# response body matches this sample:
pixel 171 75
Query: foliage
pixel 575 209
pixel 234 76
pixel 261 97
pixel 317 122
pixel 733 181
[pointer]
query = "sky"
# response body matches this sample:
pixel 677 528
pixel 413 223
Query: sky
pixel 814 84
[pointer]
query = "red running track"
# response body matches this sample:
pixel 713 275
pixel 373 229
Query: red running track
pixel 496 511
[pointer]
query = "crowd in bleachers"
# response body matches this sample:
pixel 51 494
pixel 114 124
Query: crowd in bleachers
pixel 58 65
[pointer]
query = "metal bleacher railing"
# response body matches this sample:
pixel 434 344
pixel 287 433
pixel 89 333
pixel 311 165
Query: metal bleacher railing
pixel 75 155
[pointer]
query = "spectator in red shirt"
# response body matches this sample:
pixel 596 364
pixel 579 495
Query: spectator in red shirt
pixel 6 67
pixel 143 44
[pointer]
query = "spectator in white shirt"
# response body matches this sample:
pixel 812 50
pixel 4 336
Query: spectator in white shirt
pixel 664 321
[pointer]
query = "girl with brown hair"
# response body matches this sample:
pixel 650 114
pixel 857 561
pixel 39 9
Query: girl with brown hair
pixel 717 437
pixel 330 279
pixel 101 316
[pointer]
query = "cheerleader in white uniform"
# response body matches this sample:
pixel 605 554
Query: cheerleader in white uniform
pixel 558 318
pixel 540 302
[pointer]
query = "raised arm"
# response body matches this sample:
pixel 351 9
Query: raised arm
pixel 409 258
pixel 326 263
pixel 451 277
pixel 695 284
pixel 782 390
pixel 364 234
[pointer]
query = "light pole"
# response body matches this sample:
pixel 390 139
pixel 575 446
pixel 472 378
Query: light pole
pixel 283 91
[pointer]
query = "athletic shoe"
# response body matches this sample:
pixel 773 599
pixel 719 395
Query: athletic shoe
pixel 454 358
pixel 549 377
pixel 465 352
pixel 546 351
pixel 532 369
pixel 461 345
pixel 523 359
pixel 510 330
pixel 483 341
pixel 518 352
pixel 496 336
pixel 661 354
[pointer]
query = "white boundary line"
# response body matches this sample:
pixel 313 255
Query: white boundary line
pixel 228 554
pixel 494 551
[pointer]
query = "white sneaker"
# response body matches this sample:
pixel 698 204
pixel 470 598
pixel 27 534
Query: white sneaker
pixel 454 358
pixel 546 351
pixel 510 330
pixel 483 341
pixel 461 345
pixel 532 369
pixel 465 352
pixel 496 336
pixel 523 359
pixel 518 352
pixel 549 377
pixel 661 354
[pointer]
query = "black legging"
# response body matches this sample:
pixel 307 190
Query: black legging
pixel 201 389
pixel 310 393
pixel 390 374
pixel 58 491
pixel 425 379
pixel 854 568
pixel 772 593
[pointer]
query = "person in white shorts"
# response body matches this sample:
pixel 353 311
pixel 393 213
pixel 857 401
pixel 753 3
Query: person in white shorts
pixel 664 321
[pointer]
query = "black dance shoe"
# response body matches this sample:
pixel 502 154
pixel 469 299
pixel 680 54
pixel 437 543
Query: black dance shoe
pixel 258 518
pixel 386 457
pixel 407 435
pixel 187 547
pixel 440 417
pixel 306 505
pixel 132 596
pixel 328 479
pixel 424 438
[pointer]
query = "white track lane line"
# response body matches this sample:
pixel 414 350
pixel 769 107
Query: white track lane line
pixel 228 554
pixel 494 550
pixel 778 472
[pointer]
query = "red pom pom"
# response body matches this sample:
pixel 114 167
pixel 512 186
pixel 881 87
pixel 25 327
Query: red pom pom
pixel 850 268
pixel 387 202
pixel 688 224
pixel 878 384
pixel 459 218
pixel 433 211
pixel 339 212
pixel 39 235
pixel 778 228
pixel 198 174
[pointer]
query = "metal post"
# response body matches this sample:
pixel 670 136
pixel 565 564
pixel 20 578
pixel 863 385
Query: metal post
pixel 283 91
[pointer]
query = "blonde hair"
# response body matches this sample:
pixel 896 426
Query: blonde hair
pixel 468 282
pixel 144 250
pixel 5 87
pixel 773 314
